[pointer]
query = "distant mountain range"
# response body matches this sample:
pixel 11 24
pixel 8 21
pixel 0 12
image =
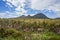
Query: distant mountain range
pixel 57 18
pixel 39 15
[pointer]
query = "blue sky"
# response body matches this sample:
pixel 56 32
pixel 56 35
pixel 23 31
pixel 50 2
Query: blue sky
pixel 15 8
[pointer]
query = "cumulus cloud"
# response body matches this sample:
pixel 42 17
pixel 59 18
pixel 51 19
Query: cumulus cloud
pixel 41 4
pixel 55 8
pixel 19 4
pixel 9 4
pixel 53 5
pixel 8 14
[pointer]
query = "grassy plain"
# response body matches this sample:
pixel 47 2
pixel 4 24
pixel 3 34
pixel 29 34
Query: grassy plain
pixel 29 29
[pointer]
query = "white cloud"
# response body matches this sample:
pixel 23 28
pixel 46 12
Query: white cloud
pixel 41 4
pixel 8 14
pixel 35 4
pixel 53 5
pixel 20 13
pixel 19 4
pixel 9 4
pixel 32 14
pixel 56 9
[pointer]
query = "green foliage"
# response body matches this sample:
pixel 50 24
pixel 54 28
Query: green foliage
pixel 29 29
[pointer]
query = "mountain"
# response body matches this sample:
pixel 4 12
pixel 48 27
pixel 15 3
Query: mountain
pixel 28 16
pixel 39 15
pixel 23 16
pixel 57 18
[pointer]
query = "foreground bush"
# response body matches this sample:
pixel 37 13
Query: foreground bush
pixel 29 29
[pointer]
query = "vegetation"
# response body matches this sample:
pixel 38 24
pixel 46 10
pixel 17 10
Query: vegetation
pixel 29 29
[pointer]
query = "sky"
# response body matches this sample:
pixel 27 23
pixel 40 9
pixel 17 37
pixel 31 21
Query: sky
pixel 16 8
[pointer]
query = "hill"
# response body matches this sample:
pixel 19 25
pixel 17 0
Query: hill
pixel 39 15
pixel 57 18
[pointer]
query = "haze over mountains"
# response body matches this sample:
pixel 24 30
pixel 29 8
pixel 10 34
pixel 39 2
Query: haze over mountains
pixel 39 15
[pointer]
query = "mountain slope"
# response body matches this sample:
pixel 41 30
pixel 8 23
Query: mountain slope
pixel 39 15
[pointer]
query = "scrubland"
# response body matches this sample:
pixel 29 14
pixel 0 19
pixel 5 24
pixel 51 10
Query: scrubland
pixel 29 29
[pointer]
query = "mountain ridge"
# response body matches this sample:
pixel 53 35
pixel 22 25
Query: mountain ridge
pixel 39 15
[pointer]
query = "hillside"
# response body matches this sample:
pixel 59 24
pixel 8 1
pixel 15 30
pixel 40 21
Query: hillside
pixel 39 15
